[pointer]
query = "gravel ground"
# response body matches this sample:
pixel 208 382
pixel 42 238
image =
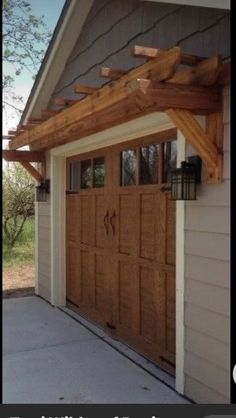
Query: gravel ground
pixel 18 281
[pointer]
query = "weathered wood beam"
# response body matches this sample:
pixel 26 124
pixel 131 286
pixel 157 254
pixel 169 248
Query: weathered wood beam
pixel 144 100
pixel 197 99
pixel 15 132
pixel 83 89
pixel 111 73
pixel 205 73
pixel 111 95
pixel 166 65
pixel 198 138
pixel 150 53
pixel 48 113
pixel 59 101
pixel 28 156
pixel 32 171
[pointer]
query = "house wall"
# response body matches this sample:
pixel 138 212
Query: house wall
pixel 207 282
pixel 111 29
pixel 43 259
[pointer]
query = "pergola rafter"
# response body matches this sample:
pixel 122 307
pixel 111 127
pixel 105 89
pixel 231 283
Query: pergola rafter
pixel 157 85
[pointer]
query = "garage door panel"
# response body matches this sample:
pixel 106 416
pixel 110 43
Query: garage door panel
pixel 128 298
pixel 127 224
pixel 86 217
pixel 100 282
pixel 147 226
pixel 87 278
pixel 124 232
pixel 100 211
pixel 170 231
pixel 148 308
pixel 72 218
pixel 72 266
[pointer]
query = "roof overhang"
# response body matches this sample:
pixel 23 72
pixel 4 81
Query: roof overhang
pixel 216 4
pixel 64 38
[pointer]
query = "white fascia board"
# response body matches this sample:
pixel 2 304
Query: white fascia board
pixel 67 36
pixel 216 4
pixel 145 125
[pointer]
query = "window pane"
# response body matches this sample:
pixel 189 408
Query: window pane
pixel 149 164
pixel 128 168
pixel 170 159
pixel 74 176
pixel 86 175
pixel 98 172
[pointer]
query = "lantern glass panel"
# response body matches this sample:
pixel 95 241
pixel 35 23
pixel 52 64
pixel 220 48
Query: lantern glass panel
pixel 183 183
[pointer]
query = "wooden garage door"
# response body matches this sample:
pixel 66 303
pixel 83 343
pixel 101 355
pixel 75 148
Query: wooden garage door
pixel 121 247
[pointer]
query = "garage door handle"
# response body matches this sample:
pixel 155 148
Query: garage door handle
pixel 112 223
pixel 106 222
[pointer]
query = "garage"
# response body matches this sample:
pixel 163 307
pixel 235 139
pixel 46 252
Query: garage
pixel 120 243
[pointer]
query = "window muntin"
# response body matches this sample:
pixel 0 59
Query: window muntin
pixel 98 172
pixel 149 164
pixel 74 175
pixel 128 167
pixel 85 174
pixel 169 160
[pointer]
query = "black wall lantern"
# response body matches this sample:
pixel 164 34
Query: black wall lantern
pixel 42 191
pixel 184 179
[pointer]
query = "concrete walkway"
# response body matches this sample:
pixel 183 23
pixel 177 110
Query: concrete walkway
pixel 50 358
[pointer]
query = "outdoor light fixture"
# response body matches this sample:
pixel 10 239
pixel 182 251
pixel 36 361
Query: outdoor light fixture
pixel 42 191
pixel 185 179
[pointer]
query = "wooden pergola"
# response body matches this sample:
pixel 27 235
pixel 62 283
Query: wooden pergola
pixel 182 85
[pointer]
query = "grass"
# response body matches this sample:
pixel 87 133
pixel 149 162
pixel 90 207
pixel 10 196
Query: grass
pixel 23 251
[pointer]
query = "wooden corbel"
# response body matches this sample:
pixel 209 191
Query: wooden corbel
pixel 207 143
pixel 25 158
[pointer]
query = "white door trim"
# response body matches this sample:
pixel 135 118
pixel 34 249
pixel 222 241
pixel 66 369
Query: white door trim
pixel 58 249
pixel 180 260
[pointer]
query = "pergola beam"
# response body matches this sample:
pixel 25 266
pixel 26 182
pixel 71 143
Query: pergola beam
pixel 205 73
pixel 111 73
pixel 26 156
pixel 150 53
pixel 84 89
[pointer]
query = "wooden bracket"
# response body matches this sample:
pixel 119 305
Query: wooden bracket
pixel 25 158
pixel 208 144
pixel 32 171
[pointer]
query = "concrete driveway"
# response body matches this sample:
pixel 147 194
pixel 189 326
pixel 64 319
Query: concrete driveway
pixel 50 358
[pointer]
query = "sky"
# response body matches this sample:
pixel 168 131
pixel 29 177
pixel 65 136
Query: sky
pixel 51 9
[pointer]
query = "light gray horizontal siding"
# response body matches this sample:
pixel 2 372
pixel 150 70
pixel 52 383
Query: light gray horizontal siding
pixel 207 348
pixel 215 298
pixel 202 220
pixel 208 373
pixel 213 272
pixel 206 244
pixel 206 322
pixel 202 393
pixel 207 282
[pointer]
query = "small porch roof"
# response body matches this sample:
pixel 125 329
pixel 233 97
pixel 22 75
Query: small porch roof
pixel 170 81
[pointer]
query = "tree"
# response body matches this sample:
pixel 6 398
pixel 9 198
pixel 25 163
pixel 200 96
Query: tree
pixel 25 37
pixel 18 201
